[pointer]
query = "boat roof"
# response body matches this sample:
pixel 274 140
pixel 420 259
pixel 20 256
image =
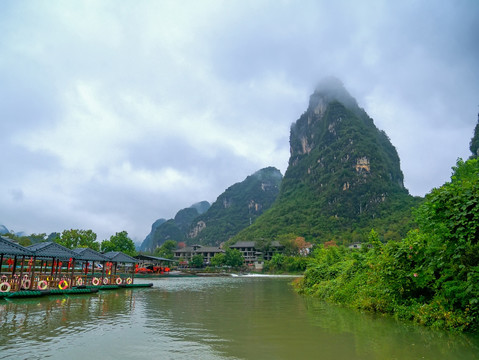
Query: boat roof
pixel 52 250
pixel 118 256
pixel 8 247
pixel 151 258
pixel 90 255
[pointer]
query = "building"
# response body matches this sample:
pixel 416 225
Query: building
pixel 187 253
pixel 359 245
pixel 252 254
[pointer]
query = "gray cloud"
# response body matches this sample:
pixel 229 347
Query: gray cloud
pixel 116 114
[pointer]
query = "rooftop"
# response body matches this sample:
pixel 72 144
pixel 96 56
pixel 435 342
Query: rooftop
pixel 8 247
pixel 52 250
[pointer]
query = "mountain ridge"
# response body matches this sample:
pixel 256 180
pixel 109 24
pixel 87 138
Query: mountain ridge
pixel 236 208
pixel 343 175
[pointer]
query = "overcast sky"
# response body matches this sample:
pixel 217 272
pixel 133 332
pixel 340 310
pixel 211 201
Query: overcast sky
pixel 116 113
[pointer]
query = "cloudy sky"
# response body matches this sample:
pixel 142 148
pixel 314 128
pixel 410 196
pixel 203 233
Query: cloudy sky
pixel 116 113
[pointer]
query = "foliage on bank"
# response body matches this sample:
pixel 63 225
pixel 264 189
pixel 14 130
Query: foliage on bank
pixel 431 276
pixel 281 263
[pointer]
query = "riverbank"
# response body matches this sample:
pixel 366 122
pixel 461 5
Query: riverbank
pixel 430 277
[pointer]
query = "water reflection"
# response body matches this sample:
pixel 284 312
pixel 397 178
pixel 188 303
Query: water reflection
pixel 212 318
pixel 382 337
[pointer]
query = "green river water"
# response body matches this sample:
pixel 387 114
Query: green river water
pixel 213 318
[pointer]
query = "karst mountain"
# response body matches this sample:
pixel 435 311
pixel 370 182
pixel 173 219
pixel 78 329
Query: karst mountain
pixel 343 177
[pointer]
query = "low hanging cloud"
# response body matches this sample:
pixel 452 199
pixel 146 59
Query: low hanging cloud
pixel 115 114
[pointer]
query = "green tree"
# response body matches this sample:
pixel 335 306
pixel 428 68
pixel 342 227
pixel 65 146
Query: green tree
pixel 24 241
pixel 166 250
pixel 374 240
pixel 218 260
pixel 277 261
pixel 474 144
pixel 75 238
pixel 234 258
pixel 196 261
pixel 119 242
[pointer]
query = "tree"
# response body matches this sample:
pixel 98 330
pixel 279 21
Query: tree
pixel 474 144
pixel 24 241
pixel 234 258
pixel 75 238
pixel 166 250
pixel 295 245
pixel 196 261
pixel 119 242
pixel 218 260
pixel 277 261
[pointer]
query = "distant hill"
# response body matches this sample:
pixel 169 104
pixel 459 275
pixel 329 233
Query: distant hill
pixel 343 176
pixel 3 230
pixel 235 209
pixel 173 229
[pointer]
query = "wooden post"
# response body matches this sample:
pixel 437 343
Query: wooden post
pixel 52 272
pixel 32 271
pixel 133 273
pixel 72 271
pixel 13 270
pixel 21 272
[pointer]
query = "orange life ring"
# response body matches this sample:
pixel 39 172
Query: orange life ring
pixel 42 285
pixel 63 285
pixel 118 281
pixel 95 281
pixel 5 287
pixel 105 281
pixel 128 281
pixel 79 281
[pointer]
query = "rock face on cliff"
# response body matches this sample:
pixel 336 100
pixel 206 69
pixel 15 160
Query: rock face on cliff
pixel 3 230
pixel 236 208
pixel 173 229
pixel 337 152
pixel 343 172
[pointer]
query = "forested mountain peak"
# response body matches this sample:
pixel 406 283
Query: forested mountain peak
pixel 328 90
pixel 237 207
pixel 173 229
pixel 343 173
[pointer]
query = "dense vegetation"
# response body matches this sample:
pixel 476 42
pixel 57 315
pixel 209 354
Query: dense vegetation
pixel 474 144
pixel 175 229
pixel 431 276
pixel 343 178
pixel 236 208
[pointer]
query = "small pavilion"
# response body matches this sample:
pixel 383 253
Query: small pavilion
pixel 12 260
pixel 52 264
pixel 91 257
pixel 120 269
pixel 153 263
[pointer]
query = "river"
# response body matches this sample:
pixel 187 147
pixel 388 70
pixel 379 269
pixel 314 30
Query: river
pixel 213 318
